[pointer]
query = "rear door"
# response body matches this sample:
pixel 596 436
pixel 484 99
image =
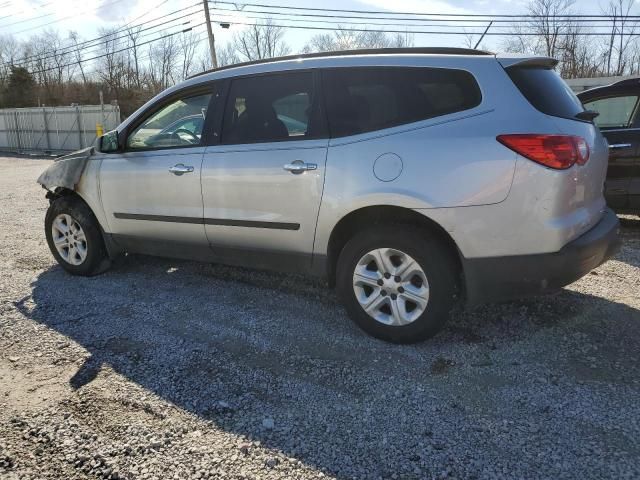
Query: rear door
pixel 616 122
pixel 262 184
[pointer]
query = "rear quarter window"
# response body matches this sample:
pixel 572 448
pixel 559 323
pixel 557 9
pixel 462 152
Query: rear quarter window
pixel 364 99
pixel 546 91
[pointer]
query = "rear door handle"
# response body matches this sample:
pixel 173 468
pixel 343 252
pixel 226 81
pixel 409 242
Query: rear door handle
pixel 299 166
pixel 181 169
pixel 618 146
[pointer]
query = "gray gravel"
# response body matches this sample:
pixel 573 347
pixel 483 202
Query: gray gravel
pixel 170 369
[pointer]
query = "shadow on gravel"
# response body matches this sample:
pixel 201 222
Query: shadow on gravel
pixel 239 348
pixel 630 233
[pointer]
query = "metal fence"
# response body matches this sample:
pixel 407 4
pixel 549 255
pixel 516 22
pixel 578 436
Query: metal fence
pixel 55 129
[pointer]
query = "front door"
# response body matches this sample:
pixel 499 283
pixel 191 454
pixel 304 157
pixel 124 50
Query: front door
pixel 151 192
pixel 262 185
pixel 616 121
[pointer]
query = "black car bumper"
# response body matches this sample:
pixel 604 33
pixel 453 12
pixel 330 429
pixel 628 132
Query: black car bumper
pixel 502 278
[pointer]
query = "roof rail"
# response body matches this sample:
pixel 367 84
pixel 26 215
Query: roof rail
pixel 627 82
pixel 364 51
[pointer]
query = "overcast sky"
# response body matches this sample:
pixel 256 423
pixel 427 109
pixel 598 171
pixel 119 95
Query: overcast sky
pixel 19 16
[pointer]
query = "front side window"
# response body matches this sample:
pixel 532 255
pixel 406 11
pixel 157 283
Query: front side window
pixel 366 99
pixel 177 124
pixel 615 112
pixel 269 108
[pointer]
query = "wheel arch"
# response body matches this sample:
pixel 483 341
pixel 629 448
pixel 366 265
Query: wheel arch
pixel 60 192
pixel 364 217
pixel 113 249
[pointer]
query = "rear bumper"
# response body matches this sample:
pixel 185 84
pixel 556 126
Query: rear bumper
pixel 501 278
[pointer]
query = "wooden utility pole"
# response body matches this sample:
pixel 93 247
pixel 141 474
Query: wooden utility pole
pixel 212 41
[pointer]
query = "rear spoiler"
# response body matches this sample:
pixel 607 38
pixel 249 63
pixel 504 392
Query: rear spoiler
pixel 528 62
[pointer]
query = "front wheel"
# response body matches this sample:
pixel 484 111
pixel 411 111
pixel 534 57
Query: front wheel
pixel 74 237
pixel 398 283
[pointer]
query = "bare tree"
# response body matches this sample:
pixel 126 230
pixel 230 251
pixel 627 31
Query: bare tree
pixel 9 53
pixel 548 23
pixel 579 54
pixel 518 42
pixel 77 54
pixel 133 33
pixel 50 61
pixel 227 55
pixel 552 32
pixel 347 39
pixel 623 34
pixel 188 43
pixel 162 63
pixel 260 41
pixel 112 67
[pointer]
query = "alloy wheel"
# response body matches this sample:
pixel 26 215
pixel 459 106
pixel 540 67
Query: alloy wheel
pixel 69 239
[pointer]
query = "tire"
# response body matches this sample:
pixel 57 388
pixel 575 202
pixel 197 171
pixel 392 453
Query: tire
pixel 87 255
pixel 398 243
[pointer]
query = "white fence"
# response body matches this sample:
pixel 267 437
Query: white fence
pixel 55 129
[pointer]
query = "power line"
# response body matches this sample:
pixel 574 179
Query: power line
pixel 145 14
pixel 600 19
pixel 86 43
pixel 42 5
pixel 350 22
pixel 112 41
pixel 53 13
pixel 142 58
pixel 420 32
pixel 58 67
pixel 382 12
pixel 63 18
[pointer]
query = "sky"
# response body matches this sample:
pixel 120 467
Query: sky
pixel 24 18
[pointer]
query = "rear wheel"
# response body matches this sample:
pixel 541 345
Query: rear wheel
pixel 398 283
pixel 74 237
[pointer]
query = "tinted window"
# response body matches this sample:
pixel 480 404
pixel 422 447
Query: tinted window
pixel 269 108
pixel 546 91
pixel 177 124
pixel 365 99
pixel 615 112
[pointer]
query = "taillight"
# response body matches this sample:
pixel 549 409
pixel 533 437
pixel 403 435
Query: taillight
pixel 554 151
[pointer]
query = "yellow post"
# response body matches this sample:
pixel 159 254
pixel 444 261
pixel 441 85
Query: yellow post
pixel 99 130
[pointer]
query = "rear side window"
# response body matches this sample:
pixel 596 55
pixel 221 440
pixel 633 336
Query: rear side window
pixel 546 91
pixel 615 112
pixel 270 108
pixel 365 99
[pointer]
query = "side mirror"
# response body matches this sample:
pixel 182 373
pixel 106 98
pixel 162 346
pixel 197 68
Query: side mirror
pixel 109 142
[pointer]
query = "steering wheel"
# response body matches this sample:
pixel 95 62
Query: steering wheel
pixel 191 134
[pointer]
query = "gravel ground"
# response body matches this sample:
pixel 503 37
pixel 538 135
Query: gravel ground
pixel 164 369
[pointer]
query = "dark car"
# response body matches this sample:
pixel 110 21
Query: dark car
pixel 619 121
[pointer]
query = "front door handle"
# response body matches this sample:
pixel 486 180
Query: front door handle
pixel 181 169
pixel 618 146
pixel 299 166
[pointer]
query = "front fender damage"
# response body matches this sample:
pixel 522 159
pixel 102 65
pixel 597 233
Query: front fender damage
pixel 66 171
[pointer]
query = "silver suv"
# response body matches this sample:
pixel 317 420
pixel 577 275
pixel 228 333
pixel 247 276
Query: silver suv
pixel 407 178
